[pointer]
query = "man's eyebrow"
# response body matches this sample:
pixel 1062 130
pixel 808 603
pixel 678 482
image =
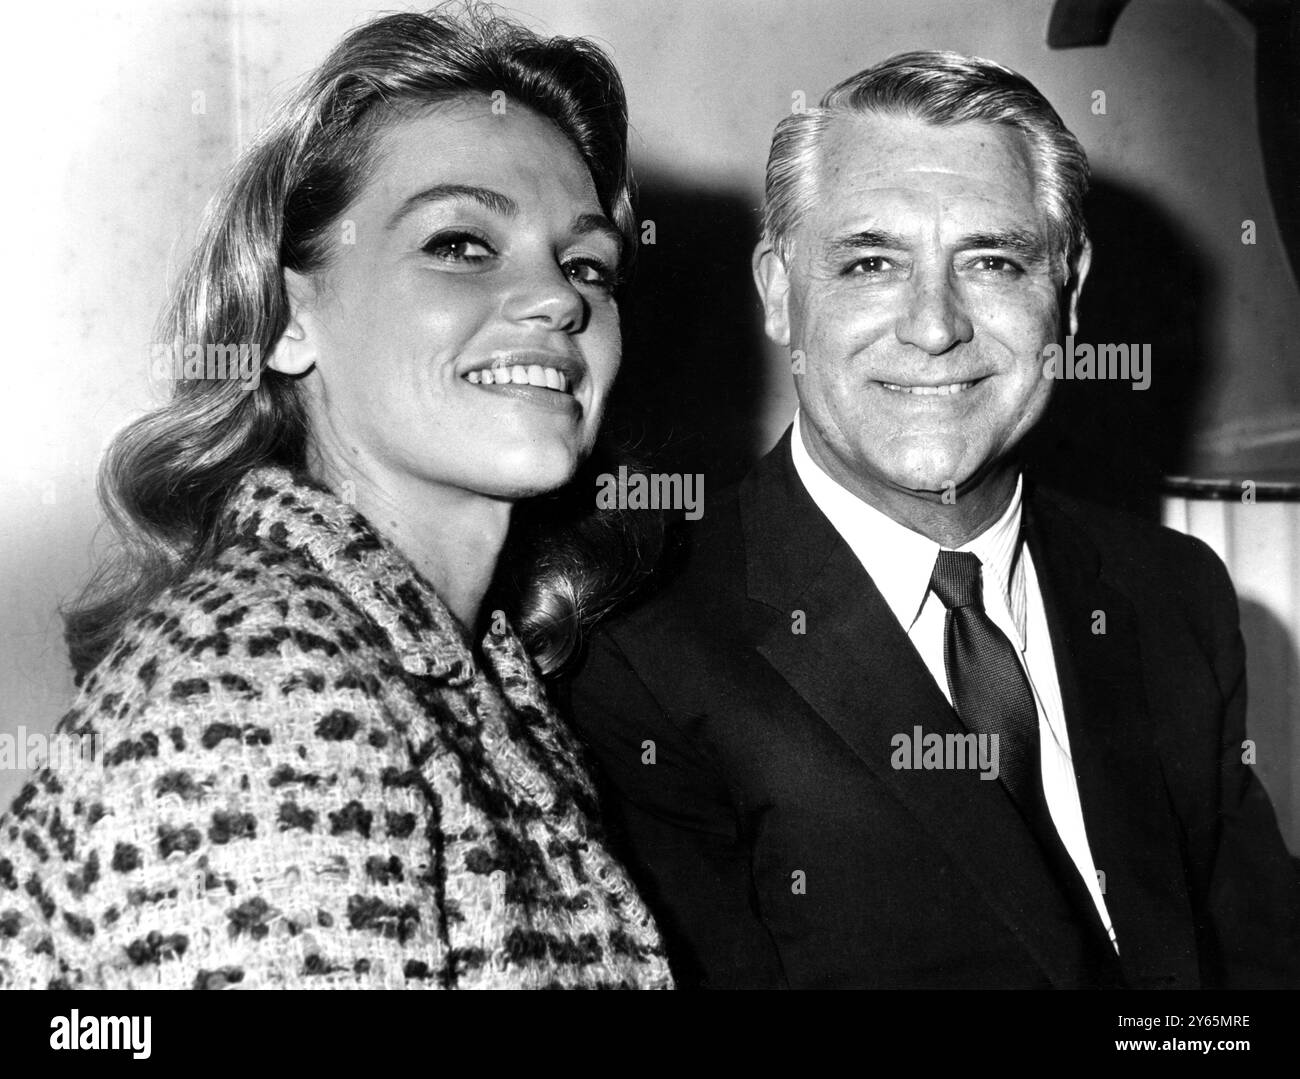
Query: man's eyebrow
pixel 1028 245
pixel 1023 242
pixel 491 200
pixel 856 241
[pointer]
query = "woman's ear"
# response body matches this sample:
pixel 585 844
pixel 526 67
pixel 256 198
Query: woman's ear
pixel 295 353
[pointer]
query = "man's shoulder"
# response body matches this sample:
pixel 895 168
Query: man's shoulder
pixel 1132 551
pixel 1114 531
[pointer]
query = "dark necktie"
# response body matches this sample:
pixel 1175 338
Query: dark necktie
pixel 992 696
pixel 988 686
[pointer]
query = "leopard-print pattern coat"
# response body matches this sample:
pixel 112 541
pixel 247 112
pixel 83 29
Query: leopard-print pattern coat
pixel 303 778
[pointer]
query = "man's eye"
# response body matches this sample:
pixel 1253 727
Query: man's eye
pixel 459 247
pixel 592 273
pixel 871 264
pixel 998 265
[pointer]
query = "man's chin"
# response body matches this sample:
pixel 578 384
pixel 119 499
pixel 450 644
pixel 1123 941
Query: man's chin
pixel 934 477
pixel 947 484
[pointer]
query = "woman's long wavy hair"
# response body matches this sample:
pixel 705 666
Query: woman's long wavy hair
pixel 165 478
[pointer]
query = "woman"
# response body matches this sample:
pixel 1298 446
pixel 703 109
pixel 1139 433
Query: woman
pixel 325 756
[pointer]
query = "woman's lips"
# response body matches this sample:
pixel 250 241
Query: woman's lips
pixel 540 396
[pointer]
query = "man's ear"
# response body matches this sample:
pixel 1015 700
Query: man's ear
pixel 1074 285
pixel 295 352
pixel 774 291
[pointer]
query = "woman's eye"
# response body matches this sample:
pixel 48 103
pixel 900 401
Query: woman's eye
pixel 459 247
pixel 592 273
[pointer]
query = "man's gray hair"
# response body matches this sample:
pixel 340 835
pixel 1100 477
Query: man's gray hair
pixel 940 88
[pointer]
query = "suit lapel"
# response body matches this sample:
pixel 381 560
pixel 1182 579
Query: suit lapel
pixel 856 668
pixel 1130 825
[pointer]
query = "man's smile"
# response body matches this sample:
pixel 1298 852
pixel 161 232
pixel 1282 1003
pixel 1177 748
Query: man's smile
pixel 941 390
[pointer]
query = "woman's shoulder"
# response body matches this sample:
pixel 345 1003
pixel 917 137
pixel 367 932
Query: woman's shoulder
pixel 255 618
pixel 255 635
pixel 226 711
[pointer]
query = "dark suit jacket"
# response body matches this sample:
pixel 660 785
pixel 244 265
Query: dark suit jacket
pixel 771 753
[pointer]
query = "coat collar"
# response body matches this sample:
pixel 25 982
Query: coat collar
pixel 272 506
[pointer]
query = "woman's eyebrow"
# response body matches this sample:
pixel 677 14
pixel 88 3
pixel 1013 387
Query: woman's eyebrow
pixel 587 224
pixel 490 200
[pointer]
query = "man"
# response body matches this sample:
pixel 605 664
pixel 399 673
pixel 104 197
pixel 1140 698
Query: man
pixel 903 719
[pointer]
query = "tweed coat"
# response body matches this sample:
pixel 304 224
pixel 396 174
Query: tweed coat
pixel 305 777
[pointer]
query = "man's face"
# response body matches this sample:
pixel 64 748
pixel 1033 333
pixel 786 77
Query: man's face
pixel 921 291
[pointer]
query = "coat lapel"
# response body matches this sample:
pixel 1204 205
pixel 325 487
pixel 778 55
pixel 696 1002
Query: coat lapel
pixel 1130 825
pixel 857 669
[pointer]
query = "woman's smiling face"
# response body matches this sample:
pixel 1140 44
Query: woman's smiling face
pixel 465 332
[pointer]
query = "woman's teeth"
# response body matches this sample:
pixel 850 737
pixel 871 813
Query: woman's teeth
pixel 533 375
pixel 930 391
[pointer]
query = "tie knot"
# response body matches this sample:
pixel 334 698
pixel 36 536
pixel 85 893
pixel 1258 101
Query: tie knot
pixel 956 579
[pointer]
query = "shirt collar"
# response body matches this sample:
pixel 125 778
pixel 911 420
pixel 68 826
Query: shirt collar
pixel 899 560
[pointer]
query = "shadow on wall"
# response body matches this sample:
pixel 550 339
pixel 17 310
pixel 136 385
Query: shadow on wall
pixel 689 394
pixel 1104 440
pixel 1272 710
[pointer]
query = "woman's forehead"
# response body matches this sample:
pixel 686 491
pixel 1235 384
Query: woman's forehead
pixel 466 140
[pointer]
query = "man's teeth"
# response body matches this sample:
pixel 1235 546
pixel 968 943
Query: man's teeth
pixel 930 391
pixel 532 375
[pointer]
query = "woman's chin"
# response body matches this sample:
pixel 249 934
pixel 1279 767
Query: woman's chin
pixel 529 478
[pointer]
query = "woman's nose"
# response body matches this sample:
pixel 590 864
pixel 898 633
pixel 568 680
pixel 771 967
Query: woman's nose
pixel 545 294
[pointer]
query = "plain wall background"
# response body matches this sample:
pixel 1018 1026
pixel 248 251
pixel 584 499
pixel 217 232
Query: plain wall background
pixel 111 166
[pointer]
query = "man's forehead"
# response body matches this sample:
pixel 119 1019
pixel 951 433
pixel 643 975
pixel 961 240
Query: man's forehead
pixel 902 153
pixel 882 170
pixel 951 209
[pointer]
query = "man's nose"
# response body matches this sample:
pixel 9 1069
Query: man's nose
pixel 935 318
pixel 545 294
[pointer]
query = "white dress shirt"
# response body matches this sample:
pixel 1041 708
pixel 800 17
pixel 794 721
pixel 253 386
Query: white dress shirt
pixel 900 562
